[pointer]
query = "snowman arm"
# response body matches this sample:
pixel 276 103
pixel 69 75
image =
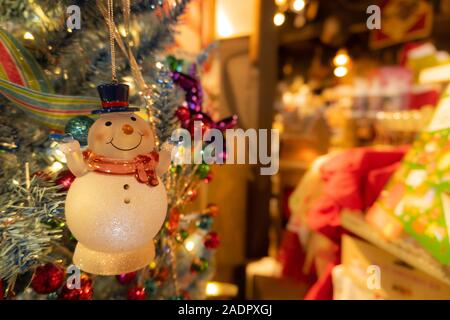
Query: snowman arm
pixel 76 164
pixel 74 157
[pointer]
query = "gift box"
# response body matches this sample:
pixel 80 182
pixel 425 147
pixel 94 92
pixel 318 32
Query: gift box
pixel 386 276
pixel 417 198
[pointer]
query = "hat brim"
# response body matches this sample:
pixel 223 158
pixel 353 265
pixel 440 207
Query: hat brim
pixel 114 109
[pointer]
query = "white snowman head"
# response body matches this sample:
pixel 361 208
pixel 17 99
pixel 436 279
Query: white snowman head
pixel 119 133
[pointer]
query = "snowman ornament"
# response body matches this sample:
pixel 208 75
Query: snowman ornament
pixel 117 203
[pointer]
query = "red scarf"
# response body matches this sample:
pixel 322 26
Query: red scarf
pixel 143 166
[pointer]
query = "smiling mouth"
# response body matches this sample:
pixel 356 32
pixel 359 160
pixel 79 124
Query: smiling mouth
pixel 128 149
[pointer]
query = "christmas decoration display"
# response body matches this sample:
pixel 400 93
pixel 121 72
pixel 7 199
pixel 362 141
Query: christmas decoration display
pixel 38 227
pixel 416 198
pixel 123 221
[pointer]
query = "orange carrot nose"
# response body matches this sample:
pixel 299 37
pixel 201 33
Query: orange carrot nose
pixel 127 129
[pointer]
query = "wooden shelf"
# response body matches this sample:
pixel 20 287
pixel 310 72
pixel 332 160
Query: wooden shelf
pixel 405 249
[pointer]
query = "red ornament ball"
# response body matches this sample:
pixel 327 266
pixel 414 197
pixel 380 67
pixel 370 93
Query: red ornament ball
pixel 174 220
pixel 183 114
pixel 192 195
pixel 209 177
pixel 85 292
pixel 204 121
pixel 65 179
pixel 186 295
pixel 47 279
pixel 213 209
pixel 163 274
pixel 212 240
pixel 137 293
pixel 126 278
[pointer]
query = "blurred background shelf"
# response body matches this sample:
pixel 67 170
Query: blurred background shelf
pixel 403 248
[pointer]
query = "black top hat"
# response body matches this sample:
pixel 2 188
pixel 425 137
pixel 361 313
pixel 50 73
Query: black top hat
pixel 114 98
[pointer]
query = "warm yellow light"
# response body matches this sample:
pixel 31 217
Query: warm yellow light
pixel 341 58
pixel 212 289
pixel 224 26
pixel 69 30
pixel 279 18
pixel 298 5
pixel 221 289
pixel 28 36
pixel 280 3
pixel 122 30
pixel 56 166
pixel 189 245
pixel 340 72
pixel 59 156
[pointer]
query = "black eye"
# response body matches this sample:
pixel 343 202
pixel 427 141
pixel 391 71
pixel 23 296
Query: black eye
pixel 108 123
pixel 133 118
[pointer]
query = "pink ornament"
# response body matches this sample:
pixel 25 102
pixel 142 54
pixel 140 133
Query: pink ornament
pixel 227 123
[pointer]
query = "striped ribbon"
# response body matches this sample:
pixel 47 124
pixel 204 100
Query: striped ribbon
pixel 23 83
pixel 17 65
pixel 49 109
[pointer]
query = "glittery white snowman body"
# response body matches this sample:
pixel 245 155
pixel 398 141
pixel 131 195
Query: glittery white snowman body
pixel 114 217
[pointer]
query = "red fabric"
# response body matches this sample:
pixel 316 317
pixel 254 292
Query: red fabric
pixel 427 98
pixel 353 180
pixel 142 166
pixel 323 288
pixel 291 255
pixel 406 50
pixel 376 180
pixel 347 186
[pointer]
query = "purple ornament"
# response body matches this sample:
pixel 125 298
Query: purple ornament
pixel 227 123
pixel 126 278
pixel 193 89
